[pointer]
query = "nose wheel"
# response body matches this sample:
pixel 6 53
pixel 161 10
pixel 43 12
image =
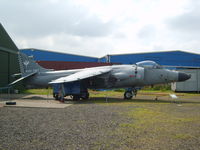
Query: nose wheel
pixel 129 93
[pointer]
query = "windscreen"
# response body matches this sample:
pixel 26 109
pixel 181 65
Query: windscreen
pixel 148 64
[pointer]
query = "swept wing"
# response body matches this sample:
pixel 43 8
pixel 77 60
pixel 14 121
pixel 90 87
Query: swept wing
pixel 84 74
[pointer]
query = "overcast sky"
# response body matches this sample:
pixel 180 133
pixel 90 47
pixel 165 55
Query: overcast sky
pixel 100 27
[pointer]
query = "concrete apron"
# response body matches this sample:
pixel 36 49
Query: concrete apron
pixel 36 104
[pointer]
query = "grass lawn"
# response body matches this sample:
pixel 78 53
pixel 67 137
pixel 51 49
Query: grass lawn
pixel 159 124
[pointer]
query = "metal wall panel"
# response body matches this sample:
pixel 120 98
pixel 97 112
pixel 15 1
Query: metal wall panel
pixel 14 66
pixel 4 68
pixel 8 66
pixel 3 79
pixel 191 85
pixel 4 62
pixel 62 65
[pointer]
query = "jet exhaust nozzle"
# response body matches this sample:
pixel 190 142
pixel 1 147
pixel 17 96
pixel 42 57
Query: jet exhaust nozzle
pixel 183 76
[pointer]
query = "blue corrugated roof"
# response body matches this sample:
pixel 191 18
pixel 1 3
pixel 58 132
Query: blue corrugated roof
pixel 43 55
pixel 176 58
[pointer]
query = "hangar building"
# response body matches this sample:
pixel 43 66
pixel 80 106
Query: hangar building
pixel 62 61
pixel 171 58
pixel 58 60
pixel 8 58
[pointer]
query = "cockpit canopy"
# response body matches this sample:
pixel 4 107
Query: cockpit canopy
pixel 148 64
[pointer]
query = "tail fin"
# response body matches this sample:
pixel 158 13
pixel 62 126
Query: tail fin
pixel 28 68
pixel 28 65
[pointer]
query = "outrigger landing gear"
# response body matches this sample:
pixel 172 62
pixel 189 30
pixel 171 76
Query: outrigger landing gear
pixel 129 93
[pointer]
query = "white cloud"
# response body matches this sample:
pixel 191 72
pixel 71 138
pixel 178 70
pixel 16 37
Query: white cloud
pixel 100 27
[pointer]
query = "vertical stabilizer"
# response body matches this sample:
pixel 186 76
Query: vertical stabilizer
pixel 28 65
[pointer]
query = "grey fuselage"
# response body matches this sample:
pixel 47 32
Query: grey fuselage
pixel 120 76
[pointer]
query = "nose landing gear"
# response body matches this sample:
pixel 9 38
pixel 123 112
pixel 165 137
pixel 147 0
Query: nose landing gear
pixel 129 93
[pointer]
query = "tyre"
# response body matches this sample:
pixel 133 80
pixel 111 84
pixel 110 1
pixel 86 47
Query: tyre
pixel 85 96
pixel 56 96
pixel 76 97
pixel 128 95
pixel 10 103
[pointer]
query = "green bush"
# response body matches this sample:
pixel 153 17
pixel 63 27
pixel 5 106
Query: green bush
pixel 161 87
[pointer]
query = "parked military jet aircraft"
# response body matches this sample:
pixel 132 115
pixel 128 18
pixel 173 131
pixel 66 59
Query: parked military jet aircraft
pixel 77 82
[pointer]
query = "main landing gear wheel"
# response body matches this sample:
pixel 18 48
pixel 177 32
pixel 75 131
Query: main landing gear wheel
pixel 56 96
pixel 76 97
pixel 128 95
pixel 85 96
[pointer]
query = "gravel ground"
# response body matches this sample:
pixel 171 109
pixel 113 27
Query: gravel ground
pixel 80 126
pixel 118 124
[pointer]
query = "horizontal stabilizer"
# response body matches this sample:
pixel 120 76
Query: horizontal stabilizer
pixel 86 73
pixel 22 78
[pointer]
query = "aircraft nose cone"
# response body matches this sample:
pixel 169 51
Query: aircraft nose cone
pixel 183 76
